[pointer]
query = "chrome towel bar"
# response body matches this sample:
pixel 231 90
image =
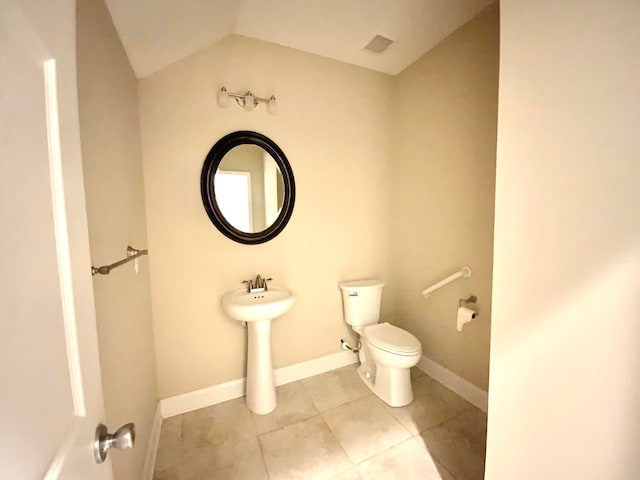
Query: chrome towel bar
pixel 132 254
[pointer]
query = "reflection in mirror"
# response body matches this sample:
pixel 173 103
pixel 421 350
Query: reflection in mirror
pixel 249 188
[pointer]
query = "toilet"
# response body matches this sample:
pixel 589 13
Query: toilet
pixel 386 352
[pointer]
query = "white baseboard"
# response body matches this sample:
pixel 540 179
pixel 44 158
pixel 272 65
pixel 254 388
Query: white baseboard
pixel 204 397
pixel 316 366
pixel 208 396
pixel 457 384
pixel 152 447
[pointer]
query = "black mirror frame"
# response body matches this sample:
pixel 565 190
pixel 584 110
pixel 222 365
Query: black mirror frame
pixel 211 163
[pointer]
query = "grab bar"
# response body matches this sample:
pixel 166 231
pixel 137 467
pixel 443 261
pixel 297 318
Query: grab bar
pixel 464 272
pixel 132 254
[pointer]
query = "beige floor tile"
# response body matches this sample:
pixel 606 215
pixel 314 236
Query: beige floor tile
pixel 462 476
pixel 436 389
pixel 429 408
pixel 169 445
pixel 351 474
pixel 228 461
pixel 293 405
pixel 446 474
pixel 172 425
pixel 406 461
pixel 471 423
pixel 171 473
pixel 306 450
pixel 364 428
pixel 221 442
pixel 226 422
pixel 455 451
pixel 336 387
pixel 416 373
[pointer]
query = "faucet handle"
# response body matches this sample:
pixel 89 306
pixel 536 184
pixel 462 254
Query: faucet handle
pixel 264 282
pixel 249 284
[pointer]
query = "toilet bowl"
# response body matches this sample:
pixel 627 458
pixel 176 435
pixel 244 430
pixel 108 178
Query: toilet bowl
pixel 387 352
pixel 386 355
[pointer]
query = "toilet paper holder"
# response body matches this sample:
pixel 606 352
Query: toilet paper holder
pixel 466 313
pixel 464 301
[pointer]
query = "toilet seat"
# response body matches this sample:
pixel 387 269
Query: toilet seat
pixel 392 339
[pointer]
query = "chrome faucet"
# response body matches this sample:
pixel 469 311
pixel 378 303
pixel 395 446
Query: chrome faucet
pixel 260 282
pixel 257 285
pixel 249 284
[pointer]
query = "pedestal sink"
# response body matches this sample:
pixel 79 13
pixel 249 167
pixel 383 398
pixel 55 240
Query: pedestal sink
pixel 258 309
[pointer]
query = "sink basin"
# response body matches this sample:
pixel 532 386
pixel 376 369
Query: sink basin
pixel 252 307
pixel 258 309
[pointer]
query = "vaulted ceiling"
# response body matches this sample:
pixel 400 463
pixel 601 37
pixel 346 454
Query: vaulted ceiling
pixel 156 33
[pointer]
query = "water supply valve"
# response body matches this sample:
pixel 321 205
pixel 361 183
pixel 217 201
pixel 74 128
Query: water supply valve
pixel 346 346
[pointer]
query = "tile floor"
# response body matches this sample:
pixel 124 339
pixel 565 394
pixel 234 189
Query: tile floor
pixel 328 427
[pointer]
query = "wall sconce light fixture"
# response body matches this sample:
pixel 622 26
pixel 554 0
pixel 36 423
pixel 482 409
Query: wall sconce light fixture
pixel 246 100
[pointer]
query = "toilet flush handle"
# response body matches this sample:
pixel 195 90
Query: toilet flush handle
pixel 353 294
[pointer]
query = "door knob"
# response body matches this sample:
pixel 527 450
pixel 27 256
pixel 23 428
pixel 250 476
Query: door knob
pixel 124 438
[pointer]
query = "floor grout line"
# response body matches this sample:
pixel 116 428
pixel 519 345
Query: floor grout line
pixel 337 440
pixel 264 461
pixel 418 437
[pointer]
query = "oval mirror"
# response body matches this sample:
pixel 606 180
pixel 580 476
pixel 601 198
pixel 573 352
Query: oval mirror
pixel 247 187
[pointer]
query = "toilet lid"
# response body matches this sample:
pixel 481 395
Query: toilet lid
pixel 392 339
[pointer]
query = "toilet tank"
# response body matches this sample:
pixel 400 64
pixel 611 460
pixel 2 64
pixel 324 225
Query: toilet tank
pixel 361 301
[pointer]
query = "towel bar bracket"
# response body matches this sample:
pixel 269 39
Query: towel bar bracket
pixel 132 254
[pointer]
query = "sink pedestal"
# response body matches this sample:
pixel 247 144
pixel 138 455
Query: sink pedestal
pixel 257 309
pixel 261 389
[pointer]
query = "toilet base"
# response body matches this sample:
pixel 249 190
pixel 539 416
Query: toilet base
pixel 391 385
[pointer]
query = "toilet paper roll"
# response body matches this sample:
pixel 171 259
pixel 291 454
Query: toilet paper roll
pixel 465 315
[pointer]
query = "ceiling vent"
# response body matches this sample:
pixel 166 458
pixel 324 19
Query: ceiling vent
pixel 378 44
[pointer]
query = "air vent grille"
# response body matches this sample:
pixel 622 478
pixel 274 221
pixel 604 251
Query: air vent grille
pixel 378 44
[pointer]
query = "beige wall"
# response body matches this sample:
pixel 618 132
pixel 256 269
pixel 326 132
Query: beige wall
pixel 332 123
pixel 443 170
pixel 564 393
pixel 110 135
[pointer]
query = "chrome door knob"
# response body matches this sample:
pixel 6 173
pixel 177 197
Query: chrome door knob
pixel 124 438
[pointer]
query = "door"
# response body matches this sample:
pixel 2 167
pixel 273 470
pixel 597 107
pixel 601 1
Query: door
pixel 233 194
pixel 51 397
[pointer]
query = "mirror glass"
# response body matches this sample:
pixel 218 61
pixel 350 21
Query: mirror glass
pixel 247 187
